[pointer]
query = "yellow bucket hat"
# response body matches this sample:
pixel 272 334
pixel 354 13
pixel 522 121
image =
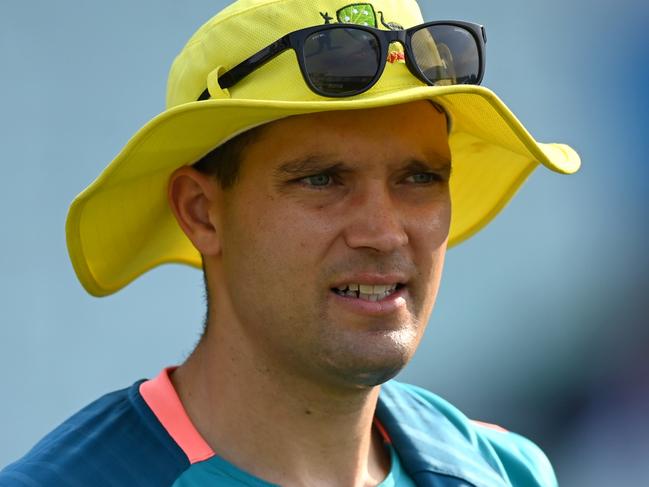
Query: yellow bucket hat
pixel 121 225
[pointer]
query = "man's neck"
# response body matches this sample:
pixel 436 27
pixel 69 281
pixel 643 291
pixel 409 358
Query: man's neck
pixel 277 427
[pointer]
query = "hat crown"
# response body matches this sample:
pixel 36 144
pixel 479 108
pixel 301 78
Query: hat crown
pixel 247 26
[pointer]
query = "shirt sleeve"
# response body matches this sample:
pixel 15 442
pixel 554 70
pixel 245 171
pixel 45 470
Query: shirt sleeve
pixel 526 464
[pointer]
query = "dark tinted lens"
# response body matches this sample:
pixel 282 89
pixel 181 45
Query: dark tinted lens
pixel 447 54
pixel 342 61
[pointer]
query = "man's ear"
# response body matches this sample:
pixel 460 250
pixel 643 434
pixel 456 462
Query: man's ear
pixel 195 200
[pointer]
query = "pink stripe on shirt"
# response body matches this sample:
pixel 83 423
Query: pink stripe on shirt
pixel 161 397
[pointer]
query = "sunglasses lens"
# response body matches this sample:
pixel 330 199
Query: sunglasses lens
pixel 342 61
pixel 447 54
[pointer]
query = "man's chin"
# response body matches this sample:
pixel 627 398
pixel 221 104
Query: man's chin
pixel 349 358
pixel 370 366
pixel 377 377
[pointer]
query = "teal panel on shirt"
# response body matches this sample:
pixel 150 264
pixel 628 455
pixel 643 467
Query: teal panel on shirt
pixel 397 476
pixel 217 471
pixel 435 439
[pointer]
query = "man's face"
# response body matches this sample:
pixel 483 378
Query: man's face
pixel 333 241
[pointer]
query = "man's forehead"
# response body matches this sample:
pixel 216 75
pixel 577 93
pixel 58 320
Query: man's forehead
pixel 413 127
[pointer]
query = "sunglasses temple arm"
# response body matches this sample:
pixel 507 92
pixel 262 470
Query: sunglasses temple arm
pixel 243 69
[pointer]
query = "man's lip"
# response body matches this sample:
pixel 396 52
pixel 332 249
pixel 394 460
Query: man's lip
pixel 394 303
pixel 370 279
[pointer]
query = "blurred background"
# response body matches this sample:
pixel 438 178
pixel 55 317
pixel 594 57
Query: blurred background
pixel 542 322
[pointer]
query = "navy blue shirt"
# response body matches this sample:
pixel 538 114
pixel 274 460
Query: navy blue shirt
pixel 142 436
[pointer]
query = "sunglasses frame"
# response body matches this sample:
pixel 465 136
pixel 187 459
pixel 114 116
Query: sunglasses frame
pixel 296 40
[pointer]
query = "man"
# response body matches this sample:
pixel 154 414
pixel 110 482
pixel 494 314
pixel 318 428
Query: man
pixel 317 172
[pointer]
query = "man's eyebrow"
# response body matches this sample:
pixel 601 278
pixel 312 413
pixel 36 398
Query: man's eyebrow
pixel 316 163
pixel 310 164
pixel 440 165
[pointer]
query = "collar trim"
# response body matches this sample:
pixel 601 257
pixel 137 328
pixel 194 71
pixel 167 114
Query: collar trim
pixel 161 397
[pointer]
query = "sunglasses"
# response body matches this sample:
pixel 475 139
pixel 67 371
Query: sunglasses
pixel 339 60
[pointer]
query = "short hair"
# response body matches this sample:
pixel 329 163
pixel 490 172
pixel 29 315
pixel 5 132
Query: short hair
pixel 224 162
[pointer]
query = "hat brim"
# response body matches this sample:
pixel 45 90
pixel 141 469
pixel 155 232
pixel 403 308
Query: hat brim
pixel 121 226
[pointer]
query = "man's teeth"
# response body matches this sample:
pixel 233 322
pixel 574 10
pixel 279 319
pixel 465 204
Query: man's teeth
pixel 366 292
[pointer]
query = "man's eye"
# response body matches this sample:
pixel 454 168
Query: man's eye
pixel 423 178
pixel 317 180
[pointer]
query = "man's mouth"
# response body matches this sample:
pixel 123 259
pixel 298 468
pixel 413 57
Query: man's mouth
pixel 367 292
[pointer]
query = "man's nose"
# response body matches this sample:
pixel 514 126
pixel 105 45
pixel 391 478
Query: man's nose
pixel 375 221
